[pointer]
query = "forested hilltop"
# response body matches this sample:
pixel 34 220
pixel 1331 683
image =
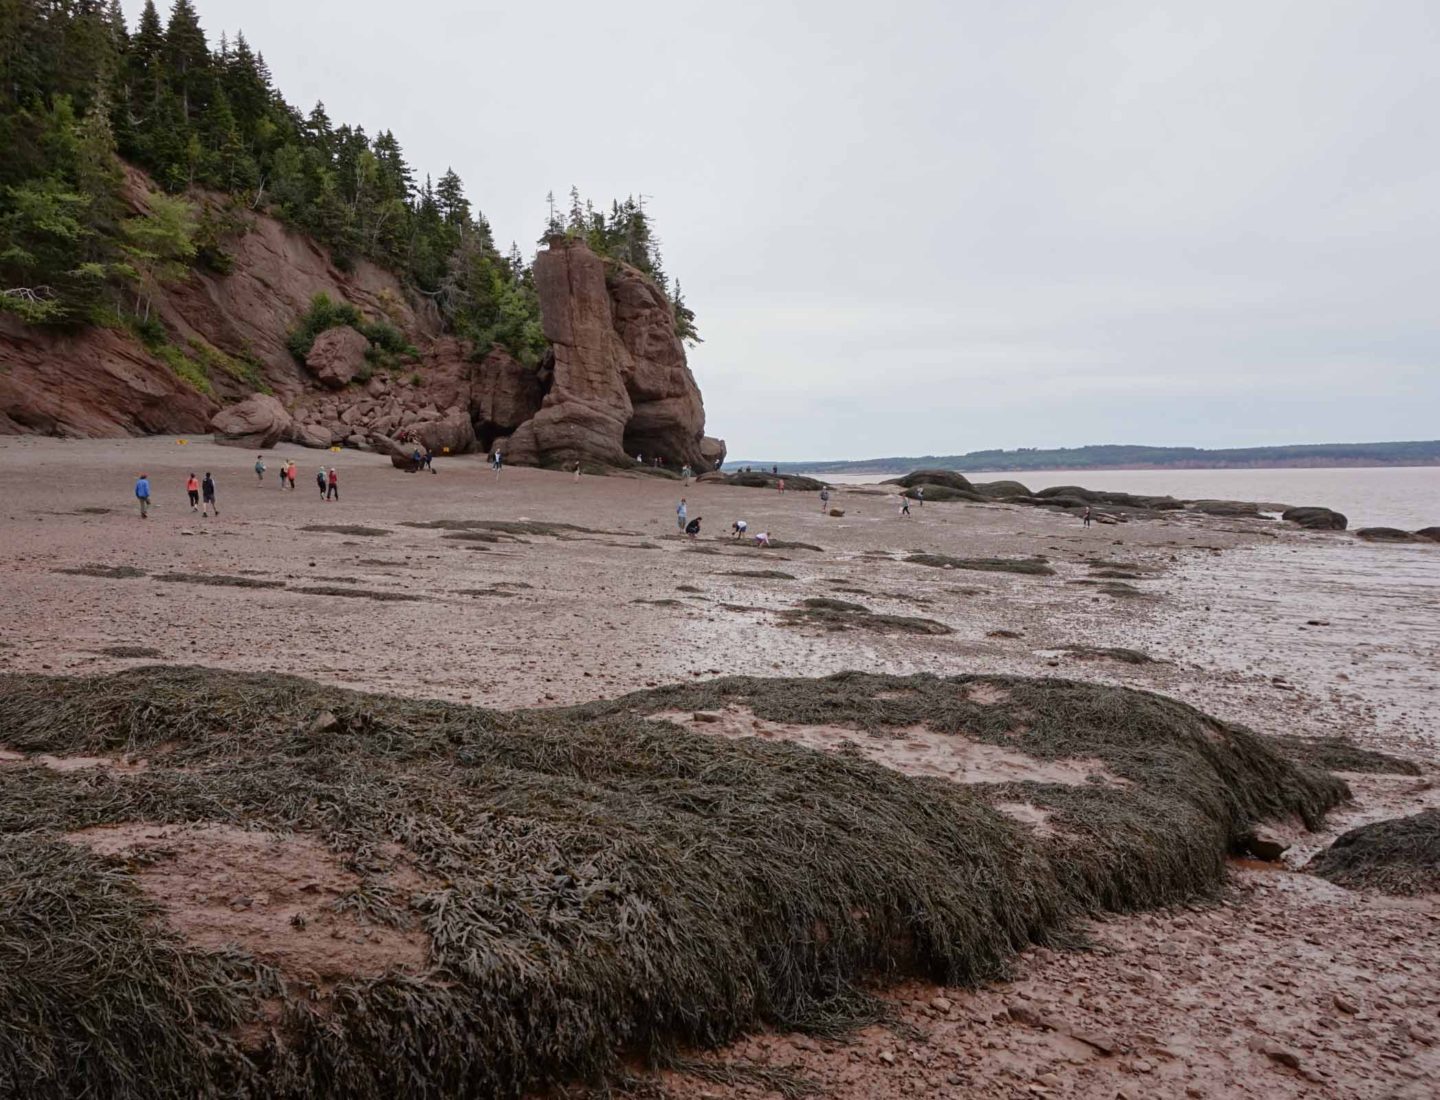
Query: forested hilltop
pixel 82 96
pixel 1120 456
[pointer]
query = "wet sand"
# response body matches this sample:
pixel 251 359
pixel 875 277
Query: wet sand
pixel 1287 631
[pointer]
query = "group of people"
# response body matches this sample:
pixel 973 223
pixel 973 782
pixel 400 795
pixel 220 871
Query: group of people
pixel 691 527
pixel 201 491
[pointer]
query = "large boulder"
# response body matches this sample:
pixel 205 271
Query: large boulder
pixel 712 453
pixel 451 434
pixel 1315 519
pixel 1237 508
pixel 999 489
pixel 258 422
pixel 337 356
pixel 401 455
pixel 1431 533
pixel 313 435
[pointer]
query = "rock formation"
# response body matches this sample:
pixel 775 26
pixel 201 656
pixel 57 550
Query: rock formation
pixel 620 384
pixel 1316 519
pixel 614 384
pixel 337 356
pixel 259 421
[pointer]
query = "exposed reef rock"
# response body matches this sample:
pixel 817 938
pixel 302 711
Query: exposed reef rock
pixel 1316 519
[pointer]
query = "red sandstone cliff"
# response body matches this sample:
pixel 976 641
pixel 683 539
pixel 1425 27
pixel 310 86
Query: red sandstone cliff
pixel 616 382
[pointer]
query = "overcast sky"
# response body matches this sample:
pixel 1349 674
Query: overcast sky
pixel 935 227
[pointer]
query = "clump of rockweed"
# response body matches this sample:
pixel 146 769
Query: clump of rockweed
pixel 833 614
pixel 109 572
pixel 217 580
pixel 503 526
pixel 600 884
pixel 1400 856
pixel 1108 653
pixel 1036 567
pixel 356 593
pixel 347 529
pixel 1339 754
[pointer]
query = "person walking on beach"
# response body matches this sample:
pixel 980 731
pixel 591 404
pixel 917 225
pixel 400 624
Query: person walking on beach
pixel 497 463
pixel 738 529
pixel 283 471
pixel 320 481
pixel 290 473
pixel 577 469
pixel 685 473
pixel 920 495
pixel 693 527
pixel 824 499
pixel 780 485
pixel 1086 517
pixel 680 510
pixel 207 491
pixel 260 469
pixel 334 482
pixel 142 494
pixel 192 487
pixel 904 505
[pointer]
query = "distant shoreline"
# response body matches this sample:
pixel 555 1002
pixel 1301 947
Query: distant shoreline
pixel 889 470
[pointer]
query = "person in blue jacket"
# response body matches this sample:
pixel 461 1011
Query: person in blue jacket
pixel 142 494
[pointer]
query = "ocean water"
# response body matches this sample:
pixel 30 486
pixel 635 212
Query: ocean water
pixel 1385 496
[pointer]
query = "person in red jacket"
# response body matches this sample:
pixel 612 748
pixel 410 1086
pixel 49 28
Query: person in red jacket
pixel 334 482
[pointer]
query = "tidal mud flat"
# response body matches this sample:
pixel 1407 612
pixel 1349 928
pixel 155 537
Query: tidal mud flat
pixel 533 589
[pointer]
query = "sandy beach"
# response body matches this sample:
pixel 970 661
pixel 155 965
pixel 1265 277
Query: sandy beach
pixel 1290 987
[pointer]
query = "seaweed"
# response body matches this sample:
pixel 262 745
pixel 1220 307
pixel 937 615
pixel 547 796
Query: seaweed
pixel 1036 567
pixel 1400 856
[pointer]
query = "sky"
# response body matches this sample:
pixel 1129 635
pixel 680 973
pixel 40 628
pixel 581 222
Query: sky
pixel 930 228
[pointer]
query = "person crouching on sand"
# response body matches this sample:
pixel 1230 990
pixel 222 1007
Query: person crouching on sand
pixel 693 527
pixel 738 529
pixel 192 487
pixel 762 538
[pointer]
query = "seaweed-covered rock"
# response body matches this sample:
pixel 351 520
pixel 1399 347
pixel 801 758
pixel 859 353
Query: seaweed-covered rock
pixel 943 493
pixel 1400 856
pixel 948 478
pixel 757 479
pixel 1315 519
pixel 1239 508
pixel 1386 534
pixel 1000 489
pixel 1431 533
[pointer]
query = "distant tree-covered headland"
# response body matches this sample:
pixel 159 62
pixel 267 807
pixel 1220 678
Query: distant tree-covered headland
pixel 1125 456
pixel 82 95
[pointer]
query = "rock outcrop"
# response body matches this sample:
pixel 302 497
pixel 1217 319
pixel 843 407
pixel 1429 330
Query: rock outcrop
pixel 93 383
pixel 1386 534
pixel 1316 519
pixel 259 421
pixel 337 356
pixel 614 384
pixel 620 385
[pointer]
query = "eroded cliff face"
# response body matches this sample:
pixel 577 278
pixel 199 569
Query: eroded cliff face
pixel 615 384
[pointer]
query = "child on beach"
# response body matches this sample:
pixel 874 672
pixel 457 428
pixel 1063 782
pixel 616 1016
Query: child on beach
pixel 260 469
pixel 192 486
pixel 693 527
pixel 207 491
pixel 680 511
pixel 762 539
